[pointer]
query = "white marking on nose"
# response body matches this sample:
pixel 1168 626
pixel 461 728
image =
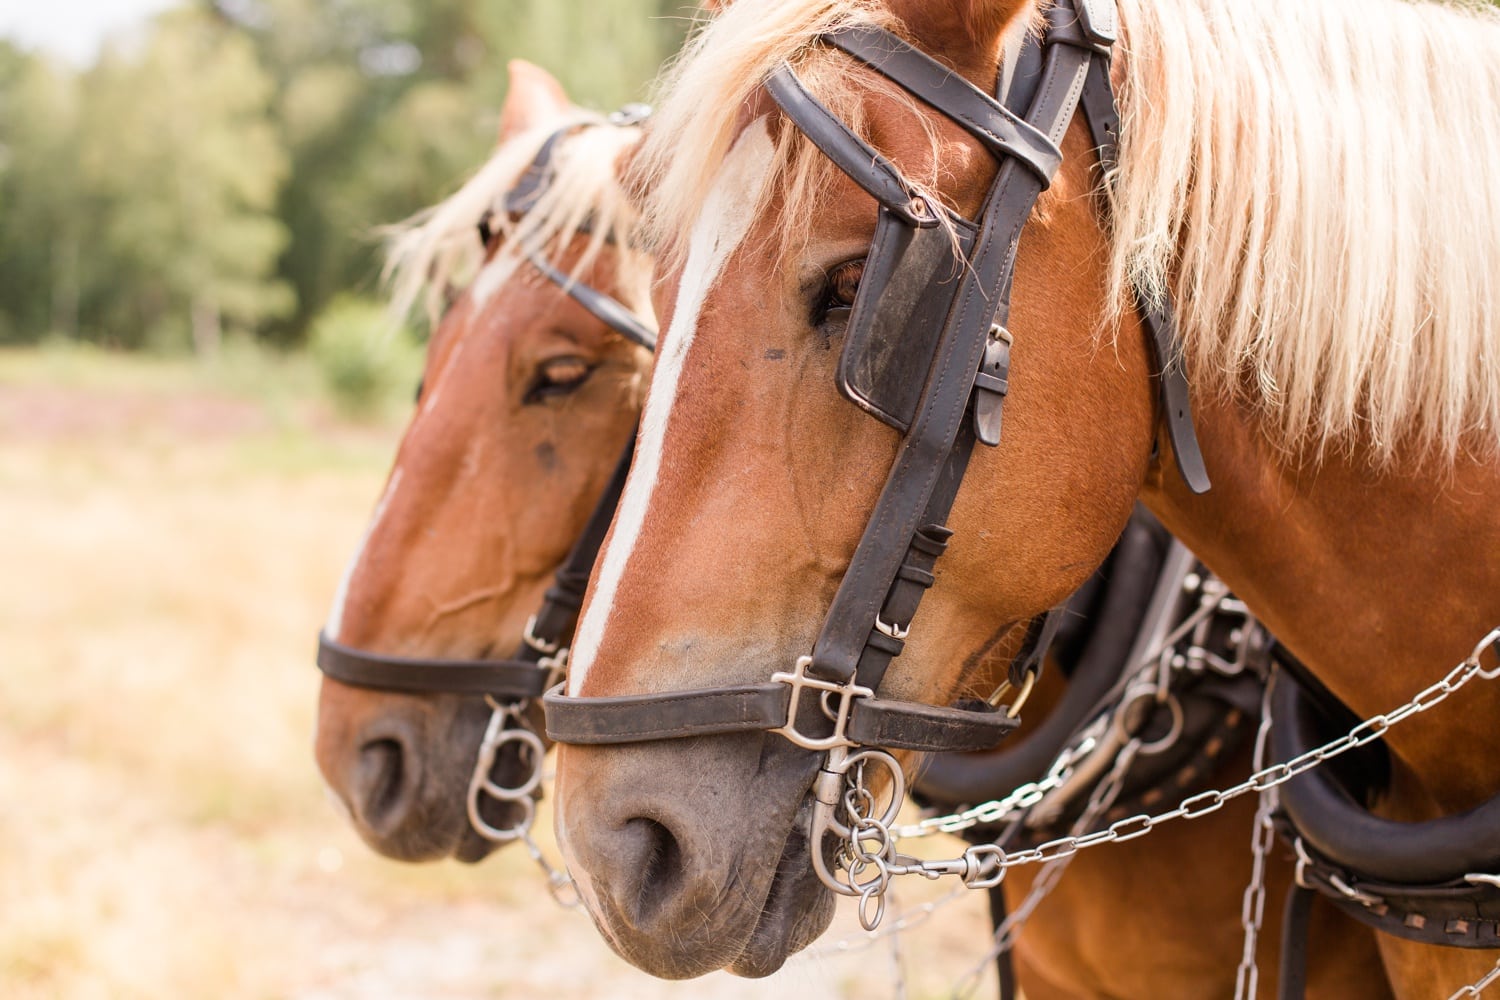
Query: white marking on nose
pixel 336 614
pixel 725 219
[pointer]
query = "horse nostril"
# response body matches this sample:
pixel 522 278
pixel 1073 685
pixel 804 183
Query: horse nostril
pixel 661 864
pixel 379 785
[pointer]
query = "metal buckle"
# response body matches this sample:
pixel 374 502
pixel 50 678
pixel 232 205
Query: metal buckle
pixel 893 631
pixel 798 681
pixel 540 645
pixel 556 666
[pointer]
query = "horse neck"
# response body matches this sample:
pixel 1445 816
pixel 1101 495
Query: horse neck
pixel 1379 581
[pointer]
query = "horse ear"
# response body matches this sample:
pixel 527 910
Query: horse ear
pixel 534 96
pixel 964 33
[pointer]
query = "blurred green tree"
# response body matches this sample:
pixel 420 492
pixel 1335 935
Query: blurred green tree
pixel 227 165
pixel 43 215
pixel 177 144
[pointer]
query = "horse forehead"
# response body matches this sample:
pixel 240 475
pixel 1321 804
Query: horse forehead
pixel 720 228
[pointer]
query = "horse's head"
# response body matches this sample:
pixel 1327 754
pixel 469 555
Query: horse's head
pixel 755 477
pixel 526 403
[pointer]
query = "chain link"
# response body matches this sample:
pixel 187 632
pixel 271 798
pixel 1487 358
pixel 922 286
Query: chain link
pixel 1253 903
pixel 1479 985
pixel 508 725
pixel 984 865
pixel 1103 797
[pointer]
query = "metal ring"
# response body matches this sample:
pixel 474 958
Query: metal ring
pixel 488 831
pixel 1483 647
pixel 1013 710
pixel 509 793
pixel 876 891
pixel 1133 696
pixel 897 781
pixel 1174 706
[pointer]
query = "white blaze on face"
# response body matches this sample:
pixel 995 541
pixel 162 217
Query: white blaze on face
pixel 725 219
pixel 336 614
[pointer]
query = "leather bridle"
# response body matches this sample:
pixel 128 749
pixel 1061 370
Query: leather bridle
pixel 960 403
pixel 510 685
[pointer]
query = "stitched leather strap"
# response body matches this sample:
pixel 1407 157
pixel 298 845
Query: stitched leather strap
pixel 982 299
pixel 1103 117
pixel 1294 944
pixel 1001 130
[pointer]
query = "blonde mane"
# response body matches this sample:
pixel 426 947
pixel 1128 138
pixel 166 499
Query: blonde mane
pixel 721 68
pixel 1308 182
pixel 1311 184
pixel 438 249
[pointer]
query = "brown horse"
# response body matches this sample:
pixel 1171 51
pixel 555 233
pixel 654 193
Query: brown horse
pixel 1280 178
pixel 526 404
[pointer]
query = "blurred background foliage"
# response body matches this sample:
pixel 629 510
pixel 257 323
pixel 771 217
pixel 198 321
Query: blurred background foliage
pixel 219 174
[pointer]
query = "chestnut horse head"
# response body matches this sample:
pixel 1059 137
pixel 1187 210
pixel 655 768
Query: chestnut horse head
pixel 527 401
pixel 1336 365
pixel 755 478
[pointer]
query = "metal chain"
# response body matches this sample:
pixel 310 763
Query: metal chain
pixel 984 865
pixel 1103 797
pixel 1479 985
pixel 559 882
pixel 1000 810
pixel 1253 903
pixel 1215 598
pixel 508 725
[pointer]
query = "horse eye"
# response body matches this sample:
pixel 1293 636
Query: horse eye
pixel 839 290
pixel 557 377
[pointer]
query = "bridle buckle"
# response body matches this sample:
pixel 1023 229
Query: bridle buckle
pixel 843 696
pixel 531 639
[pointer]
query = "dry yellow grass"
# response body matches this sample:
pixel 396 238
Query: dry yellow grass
pixel 168 554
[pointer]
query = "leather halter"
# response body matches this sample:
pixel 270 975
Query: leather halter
pixel 542 655
pixel 960 404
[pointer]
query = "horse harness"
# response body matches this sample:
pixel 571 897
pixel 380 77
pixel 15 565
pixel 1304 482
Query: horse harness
pixel 927 351
pixel 509 686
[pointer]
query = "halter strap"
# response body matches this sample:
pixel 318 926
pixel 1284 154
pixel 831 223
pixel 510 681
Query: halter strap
pixel 525 675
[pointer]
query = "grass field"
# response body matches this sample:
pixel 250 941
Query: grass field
pixel 171 537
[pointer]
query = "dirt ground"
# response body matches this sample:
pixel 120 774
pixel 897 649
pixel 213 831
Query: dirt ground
pixel 168 554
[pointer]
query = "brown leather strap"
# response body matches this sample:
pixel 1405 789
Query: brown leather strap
pixel 746 708
pixel 501 678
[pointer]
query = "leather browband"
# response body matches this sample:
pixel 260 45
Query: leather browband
pixel 606 308
pixel 1002 131
pixel 851 154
